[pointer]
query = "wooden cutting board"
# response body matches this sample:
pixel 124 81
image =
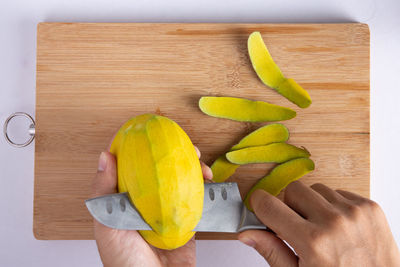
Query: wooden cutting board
pixel 92 77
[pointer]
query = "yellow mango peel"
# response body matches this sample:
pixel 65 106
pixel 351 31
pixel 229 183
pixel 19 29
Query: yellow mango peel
pixel 222 169
pixel 159 168
pixel 271 133
pixel 240 109
pixel 276 152
pixel 270 74
pixel 281 176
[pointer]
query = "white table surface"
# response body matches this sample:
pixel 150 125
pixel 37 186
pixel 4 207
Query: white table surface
pixel 18 19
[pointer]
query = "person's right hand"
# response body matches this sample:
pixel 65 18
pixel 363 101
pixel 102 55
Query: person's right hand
pixel 324 227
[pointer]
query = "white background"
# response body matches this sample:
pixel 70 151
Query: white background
pixel 18 19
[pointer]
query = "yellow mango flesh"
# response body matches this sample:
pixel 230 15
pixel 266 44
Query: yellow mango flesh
pixel 262 62
pixel 276 152
pixel 271 75
pixel 159 168
pixel 271 133
pixel 222 169
pixel 240 109
pixel 281 176
pixel 294 92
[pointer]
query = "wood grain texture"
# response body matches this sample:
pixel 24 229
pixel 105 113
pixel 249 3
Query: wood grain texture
pixel 91 78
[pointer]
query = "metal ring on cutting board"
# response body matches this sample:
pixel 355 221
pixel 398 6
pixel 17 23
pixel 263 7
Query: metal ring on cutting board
pixel 31 129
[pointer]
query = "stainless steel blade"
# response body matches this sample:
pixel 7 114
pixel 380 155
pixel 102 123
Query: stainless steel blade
pixel 223 211
pixel 116 211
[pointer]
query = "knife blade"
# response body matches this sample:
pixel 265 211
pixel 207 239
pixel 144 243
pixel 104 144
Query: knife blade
pixel 223 211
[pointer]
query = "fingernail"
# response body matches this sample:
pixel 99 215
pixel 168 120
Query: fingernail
pixel 211 175
pixel 197 151
pixel 247 241
pixel 102 162
pixel 208 172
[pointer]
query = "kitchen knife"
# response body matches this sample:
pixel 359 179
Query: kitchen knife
pixel 223 211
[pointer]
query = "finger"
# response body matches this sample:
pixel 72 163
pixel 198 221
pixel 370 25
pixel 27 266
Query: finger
pixel 182 256
pixel 336 199
pixel 207 172
pixel 329 194
pixel 285 222
pixel 305 200
pixel 273 249
pixel 105 181
pixel 351 196
pixel 197 151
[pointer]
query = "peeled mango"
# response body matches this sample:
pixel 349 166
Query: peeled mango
pixel 159 168
pixel 271 75
pixel 240 109
pixel 281 176
pixel 276 152
pixel 222 169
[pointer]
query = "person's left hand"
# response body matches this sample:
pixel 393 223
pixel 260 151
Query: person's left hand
pixel 119 248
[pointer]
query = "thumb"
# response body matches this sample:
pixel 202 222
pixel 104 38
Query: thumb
pixel 105 181
pixel 272 248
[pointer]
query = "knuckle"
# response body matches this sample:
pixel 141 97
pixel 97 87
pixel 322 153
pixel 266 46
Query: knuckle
pixel 354 211
pixel 336 219
pixel 373 205
pixel 269 255
pixel 270 251
pixel 370 205
pixel 317 237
